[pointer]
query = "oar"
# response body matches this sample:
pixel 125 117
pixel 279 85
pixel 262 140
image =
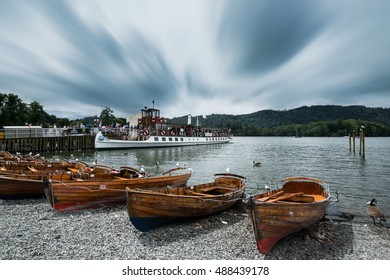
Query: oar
pixel 263 199
pixel 283 197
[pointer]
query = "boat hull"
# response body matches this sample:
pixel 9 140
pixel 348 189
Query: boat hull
pixel 102 142
pixel 148 210
pixel 273 221
pixel 25 186
pixel 67 196
pixel 20 188
pixel 20 180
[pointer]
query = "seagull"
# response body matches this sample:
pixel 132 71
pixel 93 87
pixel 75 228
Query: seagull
pixel 228 170
pixel 157 164
pixel 374 212
pixel 256 163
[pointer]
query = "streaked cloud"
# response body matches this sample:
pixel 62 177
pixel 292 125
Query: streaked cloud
pixel 198 57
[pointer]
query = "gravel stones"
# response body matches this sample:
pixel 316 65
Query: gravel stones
pixel 32 230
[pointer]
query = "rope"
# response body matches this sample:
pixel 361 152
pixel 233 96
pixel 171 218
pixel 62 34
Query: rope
pixel 88 189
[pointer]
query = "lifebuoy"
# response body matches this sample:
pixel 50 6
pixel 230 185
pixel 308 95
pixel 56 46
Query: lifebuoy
pixel 153 119
pixel 139 121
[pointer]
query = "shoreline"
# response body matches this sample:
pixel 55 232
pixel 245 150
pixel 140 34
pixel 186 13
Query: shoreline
pixel 33 230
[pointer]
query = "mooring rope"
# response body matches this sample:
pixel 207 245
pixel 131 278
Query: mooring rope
pixel 91 190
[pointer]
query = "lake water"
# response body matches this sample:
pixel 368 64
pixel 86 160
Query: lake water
pixel 355 179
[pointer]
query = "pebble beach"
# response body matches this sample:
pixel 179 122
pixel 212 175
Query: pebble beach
pixel 32 230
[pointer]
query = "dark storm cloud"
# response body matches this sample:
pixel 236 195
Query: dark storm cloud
pixel 98 52
pixel 261 35
pixel 105 72
pixel 198 57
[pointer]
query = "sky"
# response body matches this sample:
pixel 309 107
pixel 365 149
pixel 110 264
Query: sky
pixel 196 57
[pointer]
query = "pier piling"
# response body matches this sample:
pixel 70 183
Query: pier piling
pixel 40 144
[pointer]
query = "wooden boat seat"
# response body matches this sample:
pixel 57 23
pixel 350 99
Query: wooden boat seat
pixel 212 188
pixel 317 197
pixel 197 193
pixel 32 169
pixel 202 194
pixel 73 170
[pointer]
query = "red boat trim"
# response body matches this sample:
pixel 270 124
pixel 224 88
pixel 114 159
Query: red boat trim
pixel 265 245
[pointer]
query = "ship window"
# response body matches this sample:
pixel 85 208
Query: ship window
pixel 176 139
pixel 181 139
pixel 155 138
pixel 164 139
pixel 170 138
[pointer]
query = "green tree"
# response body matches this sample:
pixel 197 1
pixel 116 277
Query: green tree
pixel 36 114
pixel 14 110
pixel 107 116
pixel 3 98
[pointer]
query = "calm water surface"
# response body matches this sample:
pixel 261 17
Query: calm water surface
pixel 355 179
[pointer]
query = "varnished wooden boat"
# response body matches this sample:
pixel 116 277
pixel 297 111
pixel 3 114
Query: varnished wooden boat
pixel 20 180
pixel 86 193
pixel 299 203
pixel 149 209
pixel 21 186
pixel 25 181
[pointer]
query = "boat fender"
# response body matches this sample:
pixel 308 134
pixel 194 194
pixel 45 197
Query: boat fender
pixel 162 132
pixel 146 132
pixel 172 133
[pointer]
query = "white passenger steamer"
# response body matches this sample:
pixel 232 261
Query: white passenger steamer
pixel 153 131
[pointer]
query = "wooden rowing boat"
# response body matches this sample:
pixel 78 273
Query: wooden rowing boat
pixel 299 203
pixel 21 180
pixel 25 181
pixel 39 168
pixel 89 193
pixel 149 209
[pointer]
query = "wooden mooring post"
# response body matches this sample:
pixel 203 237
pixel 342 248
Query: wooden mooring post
pixel 40 144
pixel 352 136
pixel 362 142
pixel 362 150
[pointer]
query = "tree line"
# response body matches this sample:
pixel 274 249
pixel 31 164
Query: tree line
pixel 324 120
pixel 327 120
pixel 15 112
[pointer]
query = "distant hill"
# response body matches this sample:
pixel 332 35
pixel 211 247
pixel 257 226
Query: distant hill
pixel 325 120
